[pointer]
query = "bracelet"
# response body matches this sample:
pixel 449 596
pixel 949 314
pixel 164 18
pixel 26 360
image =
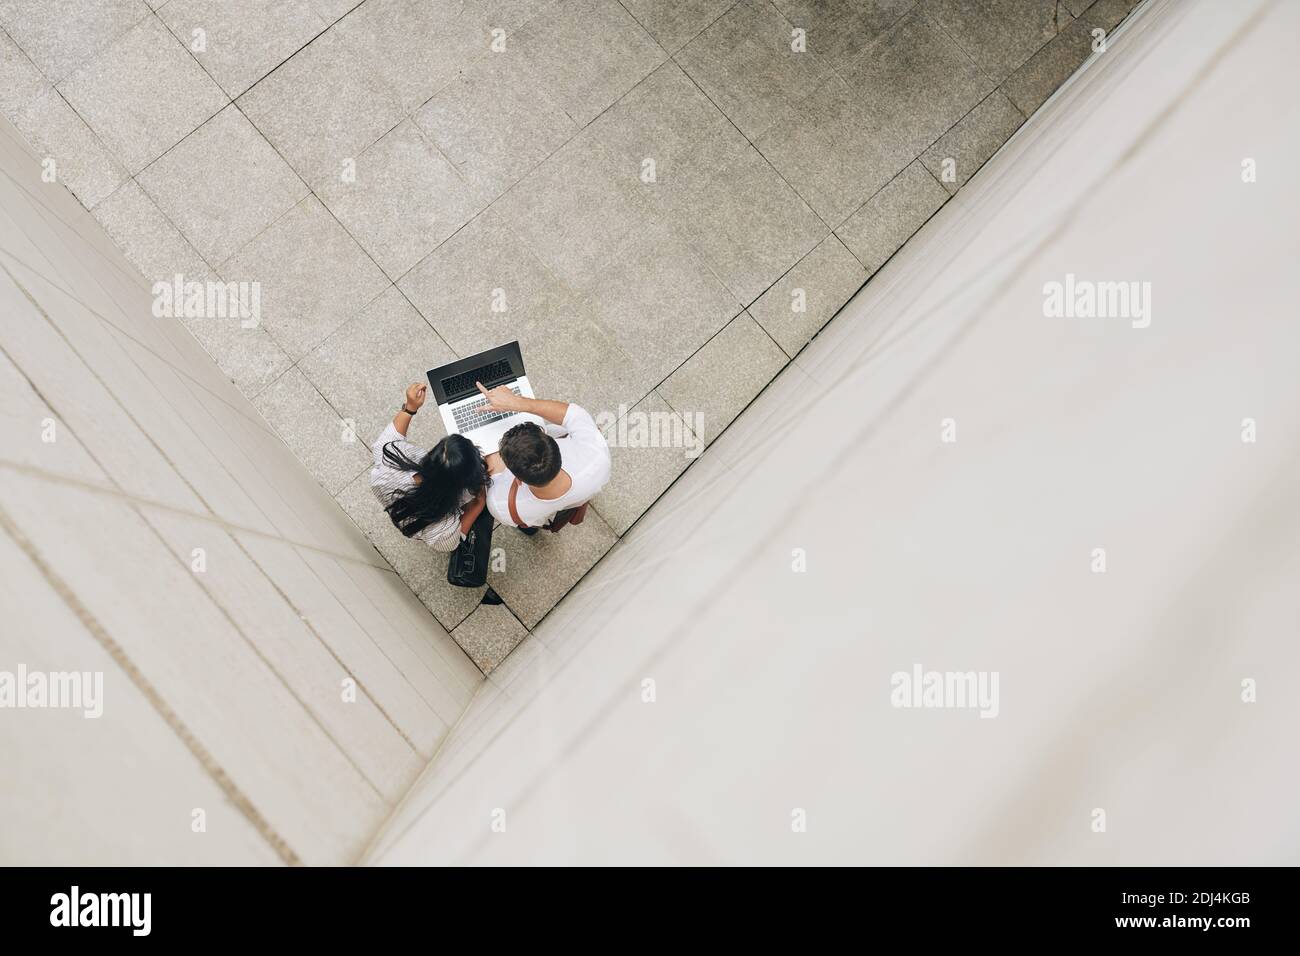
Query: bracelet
pixel 408 411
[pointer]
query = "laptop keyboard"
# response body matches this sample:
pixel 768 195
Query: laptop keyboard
pixel 463 384
pixel 476 414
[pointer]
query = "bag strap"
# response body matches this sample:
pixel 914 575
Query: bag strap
pixel 568 516
pixel 514 512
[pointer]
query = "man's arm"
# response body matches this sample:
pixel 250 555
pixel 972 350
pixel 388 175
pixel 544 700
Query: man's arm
pixel 501 399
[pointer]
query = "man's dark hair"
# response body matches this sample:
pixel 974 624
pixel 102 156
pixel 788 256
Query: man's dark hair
pixel 530 453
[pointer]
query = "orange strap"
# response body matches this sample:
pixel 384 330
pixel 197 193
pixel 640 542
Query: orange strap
pixel 514 512
pixel 568 516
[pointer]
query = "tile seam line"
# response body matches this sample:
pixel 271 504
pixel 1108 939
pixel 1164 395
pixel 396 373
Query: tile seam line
pixel 338 420
pixel 728 466
pixel 458 686
pixel 135 507
pixel 55 91
pixel 688 74
pixel 971 60
pixel 234 96
pixel 327 28
pixel 649 36
pixel 689 40
pixel 754 146
pixel 487 675
pixel 397 630
pixel 381 829
pixel 920 157
pixel 307 710
pixel 182 379
pixel 153 14
pixel 117 653
pixel 871 42
pixel 578 131
pixel 424 134
pixel 96 50
pixel 128 272
pixel 216 267
pixel 162 212
pixel 311 193
pixel 57 478
pixel 128 413
pixel 392 282
pixel 948 197
pixel 23 53
pixel 59 332
pixel 258 422
pixel 343 665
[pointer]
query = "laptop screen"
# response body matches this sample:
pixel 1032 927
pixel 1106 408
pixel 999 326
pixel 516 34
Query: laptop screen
pixel 461 384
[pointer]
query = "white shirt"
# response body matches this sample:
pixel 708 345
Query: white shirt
pixel 388 482
pixel 584 456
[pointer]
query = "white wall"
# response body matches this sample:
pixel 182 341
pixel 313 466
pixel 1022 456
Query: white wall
pixel 1118 691
pixel 223 689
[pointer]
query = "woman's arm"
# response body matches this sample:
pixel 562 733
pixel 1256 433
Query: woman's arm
pixel 415 396
pixel 472 511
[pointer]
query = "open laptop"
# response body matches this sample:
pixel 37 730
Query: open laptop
pixel 463 408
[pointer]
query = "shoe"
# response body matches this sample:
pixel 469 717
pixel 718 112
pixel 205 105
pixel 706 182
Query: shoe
pixel 530 531
pixel 491 597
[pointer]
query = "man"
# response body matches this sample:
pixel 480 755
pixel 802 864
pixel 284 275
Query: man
pixel 559 467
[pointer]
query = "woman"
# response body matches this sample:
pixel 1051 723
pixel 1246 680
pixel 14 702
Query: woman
pixel 432 496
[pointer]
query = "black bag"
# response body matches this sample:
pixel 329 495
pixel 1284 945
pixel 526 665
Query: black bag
pixel 468 566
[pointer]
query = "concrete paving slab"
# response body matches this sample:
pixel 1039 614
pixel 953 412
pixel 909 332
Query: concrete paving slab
pixel 956 156
pixel 143 94
pixel 242 40
pixel 745 63
pixel 313 276
pixel 885 221
pixel 366 365
pixel 222 185
pixel 404 201
pixel 59 35
pixel 719 380
pixel 803 300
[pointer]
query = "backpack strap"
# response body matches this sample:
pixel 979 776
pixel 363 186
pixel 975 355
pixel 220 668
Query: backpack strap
pixel 514 512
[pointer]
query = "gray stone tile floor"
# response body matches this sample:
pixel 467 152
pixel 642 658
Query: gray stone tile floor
pixel 663 200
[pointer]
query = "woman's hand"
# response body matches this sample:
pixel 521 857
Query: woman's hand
pixel 501 399
pixel 415 395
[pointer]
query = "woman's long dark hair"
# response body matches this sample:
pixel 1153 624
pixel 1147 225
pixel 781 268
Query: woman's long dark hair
pixel 452 467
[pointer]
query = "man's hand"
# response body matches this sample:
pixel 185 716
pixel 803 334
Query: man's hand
pixel 415 395
pixel 501 399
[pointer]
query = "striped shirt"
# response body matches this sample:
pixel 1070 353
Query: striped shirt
pixel 388 482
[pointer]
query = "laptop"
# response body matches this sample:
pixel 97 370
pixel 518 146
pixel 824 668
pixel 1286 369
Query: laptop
pixel 463 409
